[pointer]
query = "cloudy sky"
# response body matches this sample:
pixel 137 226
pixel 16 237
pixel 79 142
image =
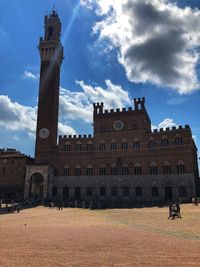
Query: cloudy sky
pixel 114 51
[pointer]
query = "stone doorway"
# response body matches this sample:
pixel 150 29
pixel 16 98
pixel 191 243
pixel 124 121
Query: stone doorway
pixel 36 190
pixel 168 193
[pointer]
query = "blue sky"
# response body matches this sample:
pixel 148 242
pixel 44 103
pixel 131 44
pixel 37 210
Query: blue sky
pixel 113 53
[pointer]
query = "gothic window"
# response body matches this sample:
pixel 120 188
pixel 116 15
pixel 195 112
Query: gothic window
pixel 164 141
pixel 89 170
pixel 178 140
pixel 78 146
pixel 66 171
pixel 78 170
pixel 113 169
pixel 102 191
pixel 126 191
pixel 152 143
pixel 124 144
pixel 180 167
pixel 102 146
pixel 67 146
pixel 166 168
pixel 182 190
pixel 138 191
pixel 136 144
pixel 114 191
pixel 153 168
pixel 90 146
pixel 89 191
pixel 102 170
pixel 125 169
pixel 137 169
pixel 113 145
pixel 154 191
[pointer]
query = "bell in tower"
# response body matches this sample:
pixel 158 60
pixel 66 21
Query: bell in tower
pixel 51 54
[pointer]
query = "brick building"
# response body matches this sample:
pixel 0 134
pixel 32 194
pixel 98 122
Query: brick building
pixel 12 173
pixel 124 162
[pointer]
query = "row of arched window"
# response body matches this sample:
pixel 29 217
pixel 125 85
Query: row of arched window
pixel 114 190
pixel 114 169
pixel 124 144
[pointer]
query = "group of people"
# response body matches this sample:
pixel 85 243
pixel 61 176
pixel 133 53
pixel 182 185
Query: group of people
pixel 174 211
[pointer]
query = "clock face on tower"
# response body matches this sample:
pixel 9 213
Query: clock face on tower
pixel 118 125
pixel 44 133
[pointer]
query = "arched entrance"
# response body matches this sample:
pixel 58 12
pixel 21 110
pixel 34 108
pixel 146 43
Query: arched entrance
pixel 168 193
pixel 36 186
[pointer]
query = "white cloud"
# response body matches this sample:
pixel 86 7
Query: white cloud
pixel 157 40
pixel 164 124
pixel 30 75
pixel 16 117
pixel 79 105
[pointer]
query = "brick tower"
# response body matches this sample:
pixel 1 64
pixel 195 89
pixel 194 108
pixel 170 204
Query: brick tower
pixel 51 54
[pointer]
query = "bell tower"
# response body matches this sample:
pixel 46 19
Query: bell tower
pixel 51 55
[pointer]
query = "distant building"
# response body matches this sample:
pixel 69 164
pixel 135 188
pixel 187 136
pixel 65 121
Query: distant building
pixel 12 173
pixel 123 163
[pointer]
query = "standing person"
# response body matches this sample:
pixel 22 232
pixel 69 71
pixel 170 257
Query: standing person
pixel 170 210
pixel 178 209
pixel 193 201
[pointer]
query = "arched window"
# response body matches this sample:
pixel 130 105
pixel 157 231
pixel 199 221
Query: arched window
pixel 166 168
pixel 180 167
pixel 182 190
pixel 67 146
pixel 78 146
pixel 164 141
pixel 124 144
pixel 89 170
pixel 136 144
pixel 90 146
pixel 78 170
pixel 154 191
pixel 102 145
pixel 178 140
pixel 137 169
pixel 125 169
pixel 113 145
pixel 66 171
pixel 113 169
pixel 102 170
pixel 138 191
pixel 152 143
pixel 153 168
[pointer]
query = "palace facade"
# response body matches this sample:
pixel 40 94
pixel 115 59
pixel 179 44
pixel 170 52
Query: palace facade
pixel 124 162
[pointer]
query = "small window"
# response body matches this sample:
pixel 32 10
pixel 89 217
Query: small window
pixel 102 170
pixel 102 146
pixel 152 143
pixel 113 145
pixel 153 168
pixel 89 170
pixel 67 147
pixel 113 169
pixel 77 170
pixel 164 142
pixel 124 145
pixel 137 169
pixel 90 146
pixel 136 144
pixel 125 169
pixel 180 167
pixel 78 146
pixel 166 168
pixel 178 140
pixel 66 171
